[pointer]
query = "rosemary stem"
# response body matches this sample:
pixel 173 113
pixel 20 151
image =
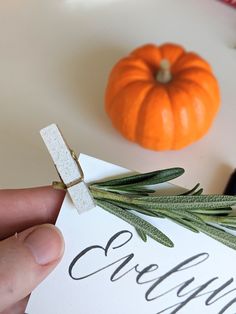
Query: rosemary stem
pixel 100 194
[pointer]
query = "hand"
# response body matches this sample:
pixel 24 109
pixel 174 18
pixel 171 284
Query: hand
pixel 30 246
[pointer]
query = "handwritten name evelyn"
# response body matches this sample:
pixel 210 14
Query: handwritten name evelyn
pixel 210 291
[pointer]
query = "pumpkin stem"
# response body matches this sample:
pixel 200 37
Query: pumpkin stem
pixel 164 74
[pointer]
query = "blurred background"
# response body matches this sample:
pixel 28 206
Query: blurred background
pixel 55 57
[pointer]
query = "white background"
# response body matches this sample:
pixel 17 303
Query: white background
pixel 55 57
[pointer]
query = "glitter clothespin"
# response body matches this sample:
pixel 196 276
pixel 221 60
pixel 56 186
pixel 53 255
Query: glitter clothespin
pixel 68 168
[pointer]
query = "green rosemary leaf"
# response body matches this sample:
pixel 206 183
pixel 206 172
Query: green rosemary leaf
pixel 183 223
pixel 162 176
pixel 199 192
pixel 220 220
pixel 150 213
pixel 106 195
pixel 213 212
pixel 217 234
pixel 136 208
pixel 228 220
pixel 183 218
pixel 183 214
pixel 189 202
pixel 192 190
pixel 137 222
pixel 142 234
pixel 137 189
pixel 126 206
pixel 131 190
pixel 140 191
pixel 149 178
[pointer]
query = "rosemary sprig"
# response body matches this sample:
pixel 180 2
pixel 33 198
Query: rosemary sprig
pixel 210 214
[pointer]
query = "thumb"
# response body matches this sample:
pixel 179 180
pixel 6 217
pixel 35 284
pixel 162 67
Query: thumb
pixel 26 259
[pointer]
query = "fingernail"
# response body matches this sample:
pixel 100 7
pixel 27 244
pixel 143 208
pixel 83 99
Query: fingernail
pixel 45 243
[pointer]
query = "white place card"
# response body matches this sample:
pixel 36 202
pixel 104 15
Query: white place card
pixel 108 269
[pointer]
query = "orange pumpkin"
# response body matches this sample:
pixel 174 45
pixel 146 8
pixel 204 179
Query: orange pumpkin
pixel 162 97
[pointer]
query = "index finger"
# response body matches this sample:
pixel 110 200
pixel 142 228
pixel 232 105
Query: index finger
pixel 24 208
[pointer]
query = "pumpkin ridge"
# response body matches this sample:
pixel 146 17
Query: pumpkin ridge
pixel 195 58
pixel 195 68
pixel 194 131
pixel 134 67
pixel 139 115
pixel 173 47
pixel 113 109
pixel 149 53
pixel 210 115
pixel 131 72
pixel 128 68
pixel 179 57
pixel 213 90
pixel 150 67
pixel 192 82
pixel 131 61
pixel 177 60
pixel 112 100
pixel 172 106
pixel 173 120
pixel 112 90
pixel 153 140
pixel 215 106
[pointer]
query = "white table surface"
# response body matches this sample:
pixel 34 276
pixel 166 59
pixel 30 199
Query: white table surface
pixel 55 57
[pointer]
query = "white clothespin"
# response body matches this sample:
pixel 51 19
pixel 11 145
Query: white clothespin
pixel 68 168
